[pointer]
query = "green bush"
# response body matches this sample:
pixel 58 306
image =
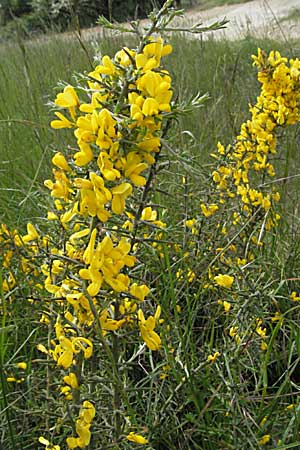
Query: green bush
pixel 40 15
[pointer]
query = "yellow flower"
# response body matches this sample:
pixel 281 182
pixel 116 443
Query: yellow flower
pixel 294 296
pixel 278 316
pixel 265 439
pixel 224 280
pixel 213 358
pixel 60 161
pixel 120 193
pixel 190 223
pixel 66 352
pixel 106 166
pixel 85 155
pixel 11 379
pixel 226 305
pixel 209 210
pixel 145 63
pixel 109 324
pixel 139 292
pixel 137 438
pixel 262 332
pixel 60 188
pixel 68 98
pixel 125 56
pixel 107 67
pixel 67 392
pixel 133 169
pixel 150 337
pixel 22 365
pixel 150 107
pixel 31 235
pixel 233 331
pixel 263 421
pixel 71 380
pixel 82 344
pixel 52 216
pixel 72 442
pixel 78 235
pixel 148 214
pixel 49 446
pixel 264 346
pixel 88 411
pixel 83 424
pixel 89 251
pixel 63 122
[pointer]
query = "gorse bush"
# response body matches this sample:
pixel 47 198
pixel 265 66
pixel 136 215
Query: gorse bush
pixel 157 317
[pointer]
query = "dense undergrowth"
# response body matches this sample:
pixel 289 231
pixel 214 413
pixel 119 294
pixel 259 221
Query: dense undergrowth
pixel 226 373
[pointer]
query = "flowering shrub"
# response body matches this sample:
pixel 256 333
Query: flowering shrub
pixel 118 131
pixel 243 191
pixel 86 269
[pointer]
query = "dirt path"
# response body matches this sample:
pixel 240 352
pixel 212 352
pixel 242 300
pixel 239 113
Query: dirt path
pixel 259 17
pixel 256 17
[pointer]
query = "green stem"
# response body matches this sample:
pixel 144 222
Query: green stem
pixel 3 381
pixel 117 393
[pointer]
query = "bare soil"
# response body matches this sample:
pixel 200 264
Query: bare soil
pixel 256 17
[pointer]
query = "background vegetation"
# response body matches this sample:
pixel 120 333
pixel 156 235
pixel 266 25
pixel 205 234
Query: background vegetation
pixel 33 16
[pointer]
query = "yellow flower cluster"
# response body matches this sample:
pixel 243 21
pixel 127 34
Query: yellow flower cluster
pixel 240 164
pixel 118 133
pixel 242 170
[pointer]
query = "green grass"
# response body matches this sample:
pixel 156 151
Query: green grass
pixel 30 71
pixel 212 407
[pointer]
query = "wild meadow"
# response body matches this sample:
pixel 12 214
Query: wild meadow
pixel 150 287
